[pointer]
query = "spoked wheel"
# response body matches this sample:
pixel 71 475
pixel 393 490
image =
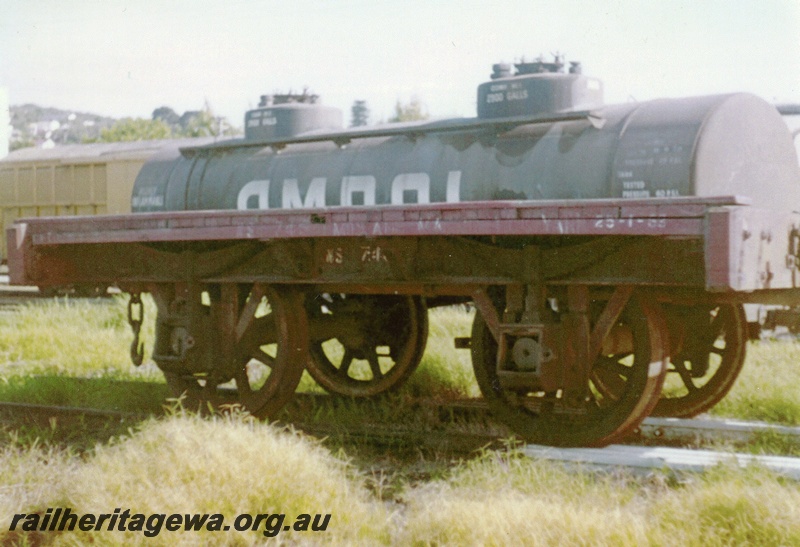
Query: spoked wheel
pixel 624 381
pixel 271 355
pixel 709 346
pixel 364 345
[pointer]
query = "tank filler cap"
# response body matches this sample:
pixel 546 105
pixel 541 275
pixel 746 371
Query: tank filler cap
pixel 527 88
pixel 501 70
pixel 288 98
pixel 540 66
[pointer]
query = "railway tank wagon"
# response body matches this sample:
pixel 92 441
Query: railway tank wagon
pixel 595 242
pixel 659 149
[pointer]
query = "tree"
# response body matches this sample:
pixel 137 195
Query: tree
pixel 167 115
pixel 410 112
pixel 135 129
pixel 204 123
pixel 359 114
pixel 23 142
pixel 167 124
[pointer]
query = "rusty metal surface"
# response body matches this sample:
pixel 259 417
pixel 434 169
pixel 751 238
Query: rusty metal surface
pixel 665 217
pixel 714 244
pixel 751 249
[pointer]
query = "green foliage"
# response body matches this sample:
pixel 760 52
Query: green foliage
pixel 202 123
pixel 34 124
pixel 135 129
pixel 768 387
pixel 107 392
pixel 359 114
pixel 413 111
pixel 445 371
pixel 166 115
pixel 25 142
pixel 85 337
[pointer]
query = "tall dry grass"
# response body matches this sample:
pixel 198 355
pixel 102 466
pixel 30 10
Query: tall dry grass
pixel 185 464
pixel 505 498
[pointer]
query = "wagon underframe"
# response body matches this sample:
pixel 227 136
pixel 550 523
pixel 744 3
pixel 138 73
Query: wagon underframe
pixel 570 345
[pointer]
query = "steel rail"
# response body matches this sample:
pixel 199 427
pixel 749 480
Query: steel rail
pixel 635 457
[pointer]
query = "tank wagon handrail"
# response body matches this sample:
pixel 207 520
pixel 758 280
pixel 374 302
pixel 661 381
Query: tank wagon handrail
pixel 683 216
pixel 342 138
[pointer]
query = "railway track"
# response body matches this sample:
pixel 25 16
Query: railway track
pixel 13 296
pixel 639 456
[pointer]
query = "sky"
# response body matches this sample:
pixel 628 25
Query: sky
pixel 124 58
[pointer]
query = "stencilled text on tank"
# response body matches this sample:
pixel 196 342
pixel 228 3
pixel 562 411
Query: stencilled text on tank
pixel 506 92
pixel 635 189
pixel 514 91
pixel 147 197
pixel 353 190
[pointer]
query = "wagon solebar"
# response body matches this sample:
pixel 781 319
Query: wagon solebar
pixel 743 248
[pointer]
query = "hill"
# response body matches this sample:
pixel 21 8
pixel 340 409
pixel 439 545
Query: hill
pixel 34 125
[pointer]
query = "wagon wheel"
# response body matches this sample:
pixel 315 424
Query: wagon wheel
pixel 272 356
pixel 601 418
pixel 361 346
pixel 709 350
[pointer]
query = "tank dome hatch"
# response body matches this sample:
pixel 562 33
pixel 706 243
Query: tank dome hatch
pixel 536 88
pixel 289 115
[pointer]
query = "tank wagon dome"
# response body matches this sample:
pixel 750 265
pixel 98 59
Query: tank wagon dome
pixel 289 115
pixel 545 135
pixel 537 87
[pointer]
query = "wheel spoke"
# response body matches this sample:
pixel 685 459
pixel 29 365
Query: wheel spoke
pixel 347 360
pixel 722 334
pixel 619 395
pixel 263 357
pixel 383 330
pixel 374 365
pixel 263 329
pixel 613 365
pixel 717 323
pixel 686 376
pixel 243 384
pixel 285 328
pixel 609 376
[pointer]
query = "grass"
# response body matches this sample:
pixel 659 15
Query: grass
pixel 186 464
pixel 231 465
pixel 445 371
pixel 504 497
pixel 76 337
pixel 768 388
